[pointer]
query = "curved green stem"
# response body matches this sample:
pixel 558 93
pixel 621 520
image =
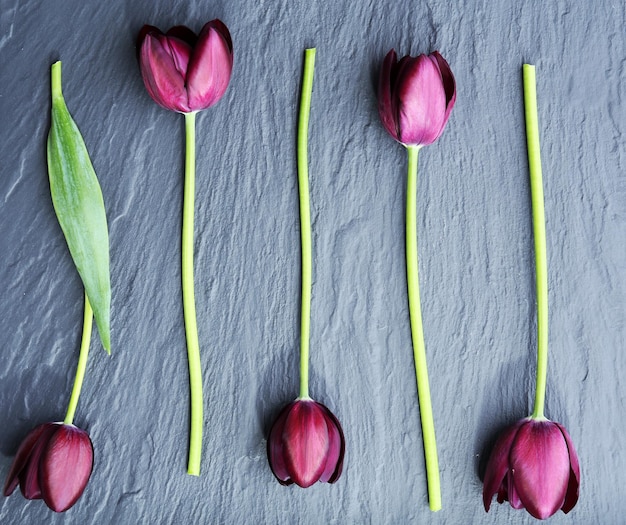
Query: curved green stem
pixel 417 333
pixel 82 363
pixel 539 228
pixel 305 218
pixel 189 304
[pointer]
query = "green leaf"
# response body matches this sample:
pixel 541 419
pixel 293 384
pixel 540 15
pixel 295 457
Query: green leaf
pixel 79 206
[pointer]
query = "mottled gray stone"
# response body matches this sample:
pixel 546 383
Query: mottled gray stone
pixel 476 256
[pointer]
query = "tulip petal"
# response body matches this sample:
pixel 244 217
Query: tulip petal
pixel 540 466
pixel 422 101
pixel 161 77
pixel 305 441
pixel 449 85
pixel 511 494
pixel 210 66
pixel 22 457
pixel 29 477
pixel 145 30
pixel 385 106
pixel 221 28
pixel 336 448
pixel 498 466
pixel 275 452
pixel 180 52
pixel 571 496
pixel 397 72
pixel 65 467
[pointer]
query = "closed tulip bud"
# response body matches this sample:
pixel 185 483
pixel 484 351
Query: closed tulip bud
pixel 306 444
pixel 533 465
pixel 53 463
pixel 415 97
pixel 184 72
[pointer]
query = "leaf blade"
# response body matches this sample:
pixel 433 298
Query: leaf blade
pixel 79 206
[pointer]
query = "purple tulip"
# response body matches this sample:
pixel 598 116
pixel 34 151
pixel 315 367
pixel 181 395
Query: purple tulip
pixel 184 72
pixel 415 97
pixel 306 444
pixel 54 462
pixel 533 465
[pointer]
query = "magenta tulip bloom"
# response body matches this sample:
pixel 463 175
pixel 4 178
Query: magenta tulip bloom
pixel 533 466
pixel 54 462
pixel 306 444
pixel 184 72
pixel 415 97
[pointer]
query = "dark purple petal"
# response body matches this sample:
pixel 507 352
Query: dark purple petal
pixel 571 496
pixel 422 102
pixel 540 467
pixel 23 456
pixel 275 450
pixel 498 466
pixel 305 442
pixel 397 72
pixel 29 477
pixel 210 66
pixel 183 33
pixel 162 79
pixel 336 448
pixel 144 31
pixel 512 494
pixel 449 85
pixel 65 467
pixel 385 105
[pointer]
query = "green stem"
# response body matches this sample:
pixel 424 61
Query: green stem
pixel 539 228
pixel 55 80
pixel 417 333
pixel 189 304
pixel 82 363
pixel 305 218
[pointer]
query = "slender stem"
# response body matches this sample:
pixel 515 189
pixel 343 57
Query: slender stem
pixel 417 333
pixel 305 218
pixel 82 363
pixel 189 304
pixel 539 228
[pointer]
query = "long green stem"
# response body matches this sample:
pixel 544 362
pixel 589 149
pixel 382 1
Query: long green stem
pixel 539 228
pixel 417 333
pixel 82 363
pixel 189 303
pixel 305 218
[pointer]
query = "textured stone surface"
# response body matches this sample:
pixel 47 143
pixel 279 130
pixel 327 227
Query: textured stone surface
pixel 476 256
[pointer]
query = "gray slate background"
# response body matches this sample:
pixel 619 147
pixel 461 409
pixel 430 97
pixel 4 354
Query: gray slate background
pixel 476 256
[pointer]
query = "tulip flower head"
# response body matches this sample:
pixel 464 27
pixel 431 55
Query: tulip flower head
pixel 306 444
pixel 415 97
pixel 184 72
pixel 533 465
pixel 53 463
